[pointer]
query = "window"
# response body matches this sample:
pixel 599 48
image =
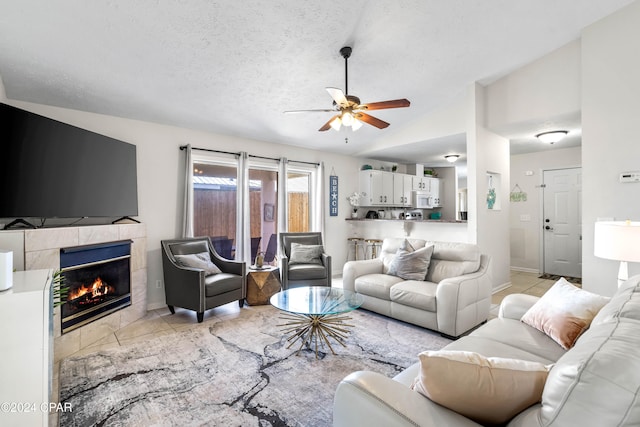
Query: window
pixel 298 192
pixel 263 211
pixel 215 196
pixel 218 203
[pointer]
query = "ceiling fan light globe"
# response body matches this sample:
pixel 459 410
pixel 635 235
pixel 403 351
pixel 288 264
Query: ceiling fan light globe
pixel 347 118
pixel 357 124
pixel 336 123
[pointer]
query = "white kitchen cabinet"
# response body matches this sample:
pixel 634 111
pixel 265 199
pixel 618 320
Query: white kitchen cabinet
pixel 402 187
pixel 377 187
pixel 27 353
pixel 435 189
pixel 421 183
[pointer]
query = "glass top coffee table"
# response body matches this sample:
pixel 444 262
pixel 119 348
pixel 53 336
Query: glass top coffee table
pixel 315 314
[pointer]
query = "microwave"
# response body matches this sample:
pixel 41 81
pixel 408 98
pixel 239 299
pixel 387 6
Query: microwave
pixel 422 200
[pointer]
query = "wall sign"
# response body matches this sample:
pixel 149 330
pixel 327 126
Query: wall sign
pixel 333 195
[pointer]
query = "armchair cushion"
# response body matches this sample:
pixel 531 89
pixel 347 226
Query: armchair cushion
pixel 200 260
pixel 307 272
pixel 411 264
pixel 217 284
pixel 305 254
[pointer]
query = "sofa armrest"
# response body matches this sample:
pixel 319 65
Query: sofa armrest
pixel 354 269
pixel 514 306
pixel 464 301
pixel 370 399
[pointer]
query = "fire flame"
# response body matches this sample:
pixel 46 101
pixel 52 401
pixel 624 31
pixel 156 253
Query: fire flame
pixel 96 289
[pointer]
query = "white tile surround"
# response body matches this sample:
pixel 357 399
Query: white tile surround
pixel 42 250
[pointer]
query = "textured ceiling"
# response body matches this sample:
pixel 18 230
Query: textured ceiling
pixel 233 67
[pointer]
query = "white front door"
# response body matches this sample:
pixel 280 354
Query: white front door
pixel 562 222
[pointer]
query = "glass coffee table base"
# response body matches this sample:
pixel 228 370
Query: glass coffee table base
pixel 311 329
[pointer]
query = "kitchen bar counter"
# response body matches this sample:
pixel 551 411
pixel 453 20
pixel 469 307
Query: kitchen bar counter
pixel 446 221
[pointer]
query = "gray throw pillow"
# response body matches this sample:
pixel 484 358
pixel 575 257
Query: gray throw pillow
pixel 411 265
pixel 306 254
pixel 200 260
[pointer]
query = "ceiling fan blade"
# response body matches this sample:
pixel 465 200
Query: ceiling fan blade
pixel 310 111
pixel 327 125
pixel 338 96
pixel 371 120
pixel 396 103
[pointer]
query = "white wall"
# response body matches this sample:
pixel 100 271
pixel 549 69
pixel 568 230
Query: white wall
pixel 160 172
pixel 3 96
pixel 525 232
pixel 446 121
pixel 488 152
pixel 610 112
pixel 547 87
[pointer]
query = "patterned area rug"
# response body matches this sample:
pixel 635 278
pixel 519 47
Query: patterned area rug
pixel 574 280
pixel 235 372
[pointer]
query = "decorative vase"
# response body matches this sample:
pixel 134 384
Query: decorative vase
pixel 354 214
pixel 260 260
pixel 491 198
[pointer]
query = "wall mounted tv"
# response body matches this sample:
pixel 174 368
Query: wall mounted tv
pixel 49 169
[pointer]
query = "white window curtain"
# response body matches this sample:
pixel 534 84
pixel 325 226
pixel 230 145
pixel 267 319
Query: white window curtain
pixel 283 210
pixel 317 219
pixel 187 217
pixel 243 212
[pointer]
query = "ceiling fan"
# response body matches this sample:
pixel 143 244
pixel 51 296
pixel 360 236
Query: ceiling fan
pixel 350 112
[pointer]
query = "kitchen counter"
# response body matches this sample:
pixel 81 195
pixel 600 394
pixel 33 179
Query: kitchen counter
pixel 446 221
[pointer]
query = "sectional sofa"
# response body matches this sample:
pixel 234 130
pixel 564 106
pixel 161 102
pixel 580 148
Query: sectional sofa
pixel 596 382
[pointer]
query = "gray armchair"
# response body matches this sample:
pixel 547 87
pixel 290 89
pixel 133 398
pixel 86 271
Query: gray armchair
pixel 192 287
pixel 302 274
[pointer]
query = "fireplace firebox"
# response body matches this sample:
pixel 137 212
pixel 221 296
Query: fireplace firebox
pixel 99 281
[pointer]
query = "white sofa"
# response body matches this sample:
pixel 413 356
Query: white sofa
pixel 595 383
pixel 454 298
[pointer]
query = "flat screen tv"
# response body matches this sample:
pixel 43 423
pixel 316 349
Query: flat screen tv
pixel 49 169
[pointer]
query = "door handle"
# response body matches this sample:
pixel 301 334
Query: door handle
pixel 548 228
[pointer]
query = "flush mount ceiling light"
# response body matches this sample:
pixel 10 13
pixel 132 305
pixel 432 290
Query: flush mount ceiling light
pixel 451 157
pixel 552 136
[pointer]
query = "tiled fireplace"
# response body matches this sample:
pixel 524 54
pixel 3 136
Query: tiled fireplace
pixel 99 280
pixel 41 249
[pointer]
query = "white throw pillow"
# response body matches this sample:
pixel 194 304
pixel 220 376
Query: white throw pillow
pixel 411 265
pixel 564 312
pixel 488 390
pixel 200 260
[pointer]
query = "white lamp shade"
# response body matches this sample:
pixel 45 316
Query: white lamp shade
pixel 617 240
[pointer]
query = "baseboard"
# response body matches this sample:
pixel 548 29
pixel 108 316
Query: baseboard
pixel 155 306
pixel 525 270
pixel 500 288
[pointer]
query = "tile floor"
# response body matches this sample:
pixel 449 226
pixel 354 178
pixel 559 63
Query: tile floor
pixel 161 322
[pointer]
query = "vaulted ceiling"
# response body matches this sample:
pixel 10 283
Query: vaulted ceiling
pixel 233 67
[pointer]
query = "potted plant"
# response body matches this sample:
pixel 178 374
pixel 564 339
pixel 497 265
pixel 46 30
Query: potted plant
pixel 354 201
pixel 60 290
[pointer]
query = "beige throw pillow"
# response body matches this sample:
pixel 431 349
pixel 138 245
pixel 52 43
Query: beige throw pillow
pixel 411 265
pixel 564 312
pixel 200 260
pixel 487 390
pixel 305 254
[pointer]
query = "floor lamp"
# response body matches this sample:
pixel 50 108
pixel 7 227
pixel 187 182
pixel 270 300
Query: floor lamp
pixel 619 241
